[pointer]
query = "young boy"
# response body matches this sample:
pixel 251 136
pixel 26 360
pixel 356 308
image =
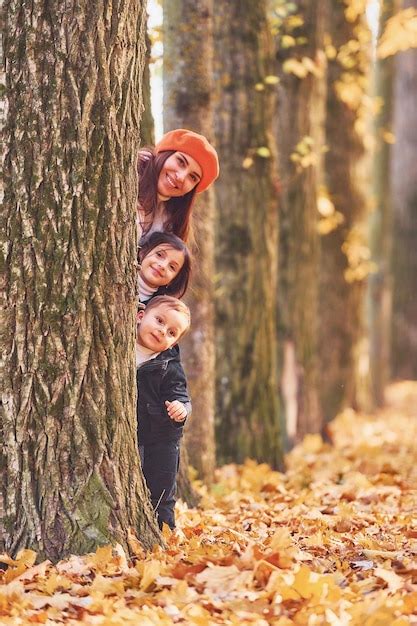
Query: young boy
pixel 163 401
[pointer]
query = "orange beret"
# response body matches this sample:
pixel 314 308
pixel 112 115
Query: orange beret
pixel 198 147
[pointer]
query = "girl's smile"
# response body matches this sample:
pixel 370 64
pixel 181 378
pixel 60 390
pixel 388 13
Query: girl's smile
pixel 161 265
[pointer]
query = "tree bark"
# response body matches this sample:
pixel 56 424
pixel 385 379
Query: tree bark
pixel 246 236
pixel 70 475
pixel 147 126
pixel 380 281
pixel 343 271
pixel 188 87
pixel 301 116
pixel 404 193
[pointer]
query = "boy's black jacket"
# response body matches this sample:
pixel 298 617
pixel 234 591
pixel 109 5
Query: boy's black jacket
pixel 160 379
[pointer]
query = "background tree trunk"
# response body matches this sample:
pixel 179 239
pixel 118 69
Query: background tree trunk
pixel 404 192
pixel 246 231
pixel 380 281
pixel 344 269
pixel 188 87
pixel 147 126
pixel 70 470
pixel 301 110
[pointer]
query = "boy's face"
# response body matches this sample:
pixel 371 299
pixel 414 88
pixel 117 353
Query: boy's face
pixel 160 328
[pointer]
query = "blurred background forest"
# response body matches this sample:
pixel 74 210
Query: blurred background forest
pixel 304 297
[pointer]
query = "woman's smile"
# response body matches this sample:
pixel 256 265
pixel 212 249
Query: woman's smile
pixel 179 174
pixel 171 181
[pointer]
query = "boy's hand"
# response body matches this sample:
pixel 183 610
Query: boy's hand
pixel 176 410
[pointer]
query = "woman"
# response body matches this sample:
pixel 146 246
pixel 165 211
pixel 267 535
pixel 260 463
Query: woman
pixel 182 164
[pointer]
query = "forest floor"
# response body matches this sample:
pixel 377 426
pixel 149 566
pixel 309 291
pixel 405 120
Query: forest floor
pixel 333 541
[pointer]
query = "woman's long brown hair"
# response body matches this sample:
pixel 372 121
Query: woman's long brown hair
pixel 178 209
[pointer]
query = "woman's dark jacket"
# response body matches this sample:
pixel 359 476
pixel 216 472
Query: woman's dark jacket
pixel 160 379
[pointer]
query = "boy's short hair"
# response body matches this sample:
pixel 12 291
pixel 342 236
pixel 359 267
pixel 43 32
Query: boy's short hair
pixel 171 303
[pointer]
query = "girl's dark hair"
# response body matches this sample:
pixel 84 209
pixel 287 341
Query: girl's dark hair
pixel 178 286
pixel 178 209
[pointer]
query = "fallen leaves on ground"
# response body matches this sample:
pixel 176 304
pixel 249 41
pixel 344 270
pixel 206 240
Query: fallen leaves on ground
pixel 332 542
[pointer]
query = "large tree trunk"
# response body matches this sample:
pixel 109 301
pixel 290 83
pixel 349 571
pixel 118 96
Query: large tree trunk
pixel 300 134
pixel 404 194
pixel 246 230
pixel 70 476
pixel 343 271
pixel 380 281
pixel 188 87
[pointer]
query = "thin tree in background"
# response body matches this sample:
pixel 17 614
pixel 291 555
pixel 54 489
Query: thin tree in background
pixel 70 475
pixel 246 235
pixel 147 125
pixel 380 280
pixel 188 103
pixel 404 193
pixel 343 211
pixel 301 140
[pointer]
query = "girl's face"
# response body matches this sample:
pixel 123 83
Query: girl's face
pixel 161 265
pixel 179 174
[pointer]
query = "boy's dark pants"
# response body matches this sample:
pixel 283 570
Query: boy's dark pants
pixel 160 462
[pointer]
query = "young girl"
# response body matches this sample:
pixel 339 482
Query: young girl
pixel 182 164
pixel 165 266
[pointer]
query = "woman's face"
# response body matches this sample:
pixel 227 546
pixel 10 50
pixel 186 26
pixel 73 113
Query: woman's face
pixel 161 265
pixel 179 174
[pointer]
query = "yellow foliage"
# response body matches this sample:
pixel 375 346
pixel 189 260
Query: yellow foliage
pixel 263 152
pixel 388 136
pixel 324 204
pixel 247 163
pixel 271 80
pixel 287 41
pixel 355 9
pixel 330 51
pixel 328 224
pixel 350 90
pixel 305 153
pixel 358 256
pixel 292 66
pixel 330 542
pixel 400 33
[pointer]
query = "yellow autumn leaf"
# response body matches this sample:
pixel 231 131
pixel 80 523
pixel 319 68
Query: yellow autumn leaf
pixel 247 163
pixel 328 224
pixel 102 557
pixel 263 152
pixel 400 33
pixel 310 65
pixel 18 566
pixel 355 9
pixel 324 205
pixel 102 586
pixel 287 41
pixel 394 581
pixel 388 136
pixel 330 52
pixel 149 571
pixel 281 540
pixel 271 79
pixel 292 66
